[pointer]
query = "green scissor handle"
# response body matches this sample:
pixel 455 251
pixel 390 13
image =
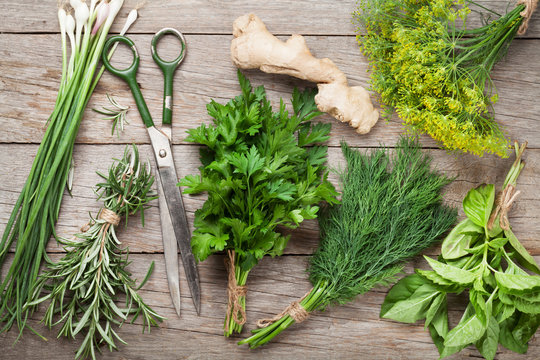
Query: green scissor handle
pixel 128 75
pixel 168 68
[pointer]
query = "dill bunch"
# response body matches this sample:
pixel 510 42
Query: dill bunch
pixel 391 209
pixel 83 287
pixel 434 72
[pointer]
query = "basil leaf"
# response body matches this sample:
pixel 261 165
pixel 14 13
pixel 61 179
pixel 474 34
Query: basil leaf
pixel 507 339
pixel 402 290
pixel 532 297
pixel 518 284
pixel 497 243
pixel 496 229
pixel 459 239
pixel 478 204
pixel 488 343
pixel 438 340
pixel 505 312
pixel 505 298
pixel 436 305
pixel 525 306
pixel 434 277
pixel 440 320
pixel 524 257
pixel 526 327
pixel 479 304
pixel 451 350
pixel 450 272
pixel 414 308
pixel 466 332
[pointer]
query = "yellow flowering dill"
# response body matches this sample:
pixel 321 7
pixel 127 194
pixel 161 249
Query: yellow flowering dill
pixel 434 72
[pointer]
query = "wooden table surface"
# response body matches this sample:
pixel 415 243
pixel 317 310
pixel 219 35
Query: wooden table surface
pixel 30 69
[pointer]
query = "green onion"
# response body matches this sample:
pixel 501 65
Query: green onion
pixel 35 213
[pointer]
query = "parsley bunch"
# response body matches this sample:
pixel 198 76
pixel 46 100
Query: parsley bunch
pixel 391 209
pixel 434 72
pixel 260 169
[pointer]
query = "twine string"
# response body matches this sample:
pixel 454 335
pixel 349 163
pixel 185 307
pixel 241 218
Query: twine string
pixel 504 203
pixel 295 310
pixel 526 14
pixel 234 292
pixel 109 216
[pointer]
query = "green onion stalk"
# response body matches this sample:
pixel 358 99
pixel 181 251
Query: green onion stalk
pixel 35 213
pixel 391 209
pixel 434 71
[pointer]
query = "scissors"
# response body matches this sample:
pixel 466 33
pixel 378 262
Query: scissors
pixel 174 225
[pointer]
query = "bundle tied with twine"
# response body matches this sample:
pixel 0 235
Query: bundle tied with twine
pixel 526 14
pixel 295 310
pixel 234 293
pixel 506 197
pixel 504 202
pixel 83 287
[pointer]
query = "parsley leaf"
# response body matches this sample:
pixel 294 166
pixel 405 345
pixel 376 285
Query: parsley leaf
pixel 258 173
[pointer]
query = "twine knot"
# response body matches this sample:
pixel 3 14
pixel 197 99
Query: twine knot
pixel 526 14
pixel 504 203
pixel 234 293
pixel 295 310
pixel 109 216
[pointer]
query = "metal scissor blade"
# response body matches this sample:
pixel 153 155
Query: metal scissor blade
pixel 170 247
pixel 175 205
pixel 181 229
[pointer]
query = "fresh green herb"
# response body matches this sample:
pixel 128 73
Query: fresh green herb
pixel 434 72
pixel 84 286
pixel 117 114
pixel 391 209
pixel 35 213
pixel 260 169
pixel 483 256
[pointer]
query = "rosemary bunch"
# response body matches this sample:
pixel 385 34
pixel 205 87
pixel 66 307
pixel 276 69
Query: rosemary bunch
pixel 434 72
pixel 83 287
pixel 391 209
pixel 35 213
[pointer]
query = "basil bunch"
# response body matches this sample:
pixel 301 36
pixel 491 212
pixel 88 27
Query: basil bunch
pixel 480 255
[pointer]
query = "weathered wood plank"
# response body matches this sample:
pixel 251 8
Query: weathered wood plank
pixel 470 171
pixel 31 71
pixel 347 331
pixel 321 17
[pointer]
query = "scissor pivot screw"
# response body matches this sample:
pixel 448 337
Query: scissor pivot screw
pixel 162 153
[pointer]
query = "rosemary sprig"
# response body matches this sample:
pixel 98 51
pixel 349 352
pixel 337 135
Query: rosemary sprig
pixel 85 284
pixel 117 114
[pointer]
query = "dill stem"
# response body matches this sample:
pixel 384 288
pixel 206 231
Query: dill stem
pixel 316 297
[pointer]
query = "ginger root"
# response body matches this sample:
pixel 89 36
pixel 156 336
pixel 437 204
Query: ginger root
pixel 254 47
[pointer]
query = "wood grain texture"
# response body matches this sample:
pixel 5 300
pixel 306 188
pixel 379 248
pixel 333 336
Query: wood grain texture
pixel 469 171
pixel 31 72
pixel 351 331
pixel 309 17
pixel 30 62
